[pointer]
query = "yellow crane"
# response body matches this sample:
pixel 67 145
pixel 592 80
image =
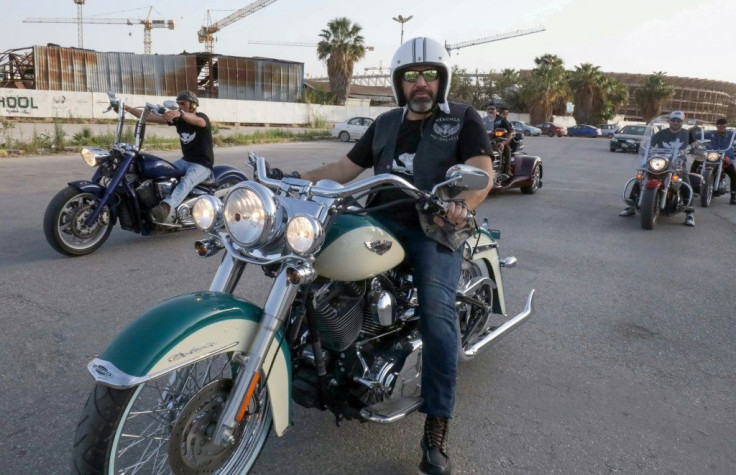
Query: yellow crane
pixel 147 23
pixel 206 34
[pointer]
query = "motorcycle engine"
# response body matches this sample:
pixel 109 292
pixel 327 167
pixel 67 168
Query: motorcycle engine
pixel 370 341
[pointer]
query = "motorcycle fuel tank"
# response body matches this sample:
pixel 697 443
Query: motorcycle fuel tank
pixel 151 166
pixel 357 248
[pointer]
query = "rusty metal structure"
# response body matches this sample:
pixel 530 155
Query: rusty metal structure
pixel 55 68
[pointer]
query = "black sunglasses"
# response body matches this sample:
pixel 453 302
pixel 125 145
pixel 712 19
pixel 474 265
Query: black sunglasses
pixel 429 75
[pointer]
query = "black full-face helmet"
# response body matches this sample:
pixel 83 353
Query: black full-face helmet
pixel 422 52
pixel 188 96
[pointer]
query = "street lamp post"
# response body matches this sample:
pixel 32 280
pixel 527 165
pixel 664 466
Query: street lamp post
pixel 402 20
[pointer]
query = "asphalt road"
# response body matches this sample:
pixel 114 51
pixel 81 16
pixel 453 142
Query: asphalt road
pixel 627 366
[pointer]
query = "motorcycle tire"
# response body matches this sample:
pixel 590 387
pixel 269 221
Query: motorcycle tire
pixel 63 223
pixel 174 412
pixel 534 181
pixel 706 188
pixel 649 207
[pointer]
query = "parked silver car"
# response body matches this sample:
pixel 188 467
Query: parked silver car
pixel 351 129
pixel 607 130
pixel 525 128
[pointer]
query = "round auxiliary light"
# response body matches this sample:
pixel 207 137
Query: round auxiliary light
pixel 207 213
pixel 304 234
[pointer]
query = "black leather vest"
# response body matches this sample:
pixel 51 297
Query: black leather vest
pixel 437 149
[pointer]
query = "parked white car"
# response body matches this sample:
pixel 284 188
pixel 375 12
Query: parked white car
pixel 351 129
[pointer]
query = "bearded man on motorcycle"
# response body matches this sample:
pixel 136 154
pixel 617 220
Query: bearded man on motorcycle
pixel 668 138
pixel 419 141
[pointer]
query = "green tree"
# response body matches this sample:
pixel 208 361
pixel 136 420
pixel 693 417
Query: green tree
pixel 546 90
pixel 466 88
pixel 341 47
pixel 585 81
pixel 611 95
pixel 652 95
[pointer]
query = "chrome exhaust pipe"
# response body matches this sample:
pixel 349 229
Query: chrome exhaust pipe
pixel 504 329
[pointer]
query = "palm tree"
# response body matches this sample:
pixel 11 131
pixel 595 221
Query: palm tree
pixel 546 88
pixel 652 94
pixel 341 47
pixel 585 82
pixel 611 95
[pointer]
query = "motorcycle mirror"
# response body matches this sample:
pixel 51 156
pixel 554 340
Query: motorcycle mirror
pixel 171 105
pixel 467 177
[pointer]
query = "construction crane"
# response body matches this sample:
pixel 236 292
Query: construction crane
pixel 206 34
pixel 488 39
pixel 291 43
pixel 80 32
pixel 147 23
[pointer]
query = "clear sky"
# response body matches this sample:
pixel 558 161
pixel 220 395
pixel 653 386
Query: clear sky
pixel 689 38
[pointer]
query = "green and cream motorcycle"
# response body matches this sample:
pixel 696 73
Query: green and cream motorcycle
pixel 195 384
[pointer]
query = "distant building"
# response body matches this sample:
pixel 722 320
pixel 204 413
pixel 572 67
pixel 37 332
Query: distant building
pixel 72 69
pixel 702 99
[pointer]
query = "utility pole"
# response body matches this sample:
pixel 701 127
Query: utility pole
pixel 402 20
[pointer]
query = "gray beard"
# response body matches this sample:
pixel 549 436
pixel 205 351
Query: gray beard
pixel 421 106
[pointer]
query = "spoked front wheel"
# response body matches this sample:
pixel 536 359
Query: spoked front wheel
pixel 166 425
pixel 65 223
pixel 473 310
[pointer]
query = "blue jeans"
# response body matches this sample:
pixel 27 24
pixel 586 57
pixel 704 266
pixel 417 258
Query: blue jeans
pixel 193 176
pixel 436 275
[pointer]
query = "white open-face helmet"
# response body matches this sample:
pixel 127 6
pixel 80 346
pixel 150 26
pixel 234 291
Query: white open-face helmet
pixel 422 52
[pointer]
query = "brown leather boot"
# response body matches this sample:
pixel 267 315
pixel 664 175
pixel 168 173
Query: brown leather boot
pixel 161 213
pixel 435 460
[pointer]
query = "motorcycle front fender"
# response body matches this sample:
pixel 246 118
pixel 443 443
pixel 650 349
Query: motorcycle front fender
pixel 87 186
pixel 652 184
pixel 188 328
pixel 486 257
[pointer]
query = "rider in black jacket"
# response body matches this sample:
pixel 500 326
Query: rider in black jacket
pixel 721 140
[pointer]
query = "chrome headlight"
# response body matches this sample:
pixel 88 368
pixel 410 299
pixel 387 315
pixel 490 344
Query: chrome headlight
pixel 250 214
pixel 94 156
pixel 713 156
pixel 304 234
pixel 207 213
pixel 657 164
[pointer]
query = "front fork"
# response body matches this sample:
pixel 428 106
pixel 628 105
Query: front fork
pixel 275 312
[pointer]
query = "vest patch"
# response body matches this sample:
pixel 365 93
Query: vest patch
pixel 446 129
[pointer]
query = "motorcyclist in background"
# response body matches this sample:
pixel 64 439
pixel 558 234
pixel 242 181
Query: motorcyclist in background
pixel 668 138
pixel 721 140
pixel 195 135
pixel 419 141
pixel 493 121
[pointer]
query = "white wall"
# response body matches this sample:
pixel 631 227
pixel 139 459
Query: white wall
pixel 28 103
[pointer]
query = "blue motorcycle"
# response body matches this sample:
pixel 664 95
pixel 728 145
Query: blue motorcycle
pixel 124 188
